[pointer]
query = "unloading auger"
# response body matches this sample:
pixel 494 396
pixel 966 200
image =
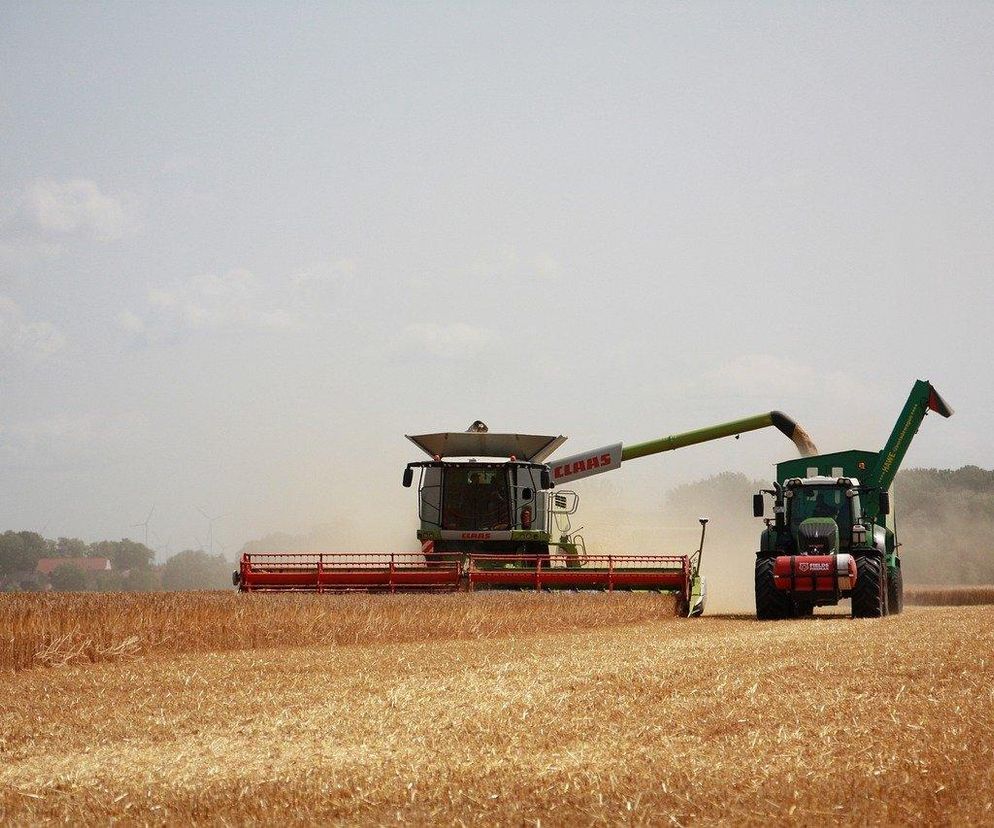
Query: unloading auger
pixel 489 507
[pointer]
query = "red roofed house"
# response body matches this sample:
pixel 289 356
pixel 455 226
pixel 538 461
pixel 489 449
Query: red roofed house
pixel 46 566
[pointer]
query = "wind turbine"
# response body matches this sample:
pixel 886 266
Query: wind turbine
pixel 165 546
pixel 145 524
pixel 210 530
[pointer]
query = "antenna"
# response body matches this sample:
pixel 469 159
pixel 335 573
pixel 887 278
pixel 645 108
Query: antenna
pixel 144 523
pixel 210 530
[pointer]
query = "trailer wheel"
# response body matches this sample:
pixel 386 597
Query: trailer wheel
pixel 803 609
pixel 895 592
pixel 869 597
pixel 771 603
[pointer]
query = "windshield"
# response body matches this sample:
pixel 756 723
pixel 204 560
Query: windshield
pixel 821 502
pixel 475 498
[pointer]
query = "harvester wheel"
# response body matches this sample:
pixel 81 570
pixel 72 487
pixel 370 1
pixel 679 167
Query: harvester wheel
pixel 869 597
pixel 895 592
pixel 771 603
pixel 803 609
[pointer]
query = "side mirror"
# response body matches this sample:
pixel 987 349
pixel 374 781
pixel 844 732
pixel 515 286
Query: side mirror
pixel 758 507
pixel 885 503
pixel 546 479
pixel 408 477
pixel 526 493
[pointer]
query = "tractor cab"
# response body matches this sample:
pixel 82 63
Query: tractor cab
pixel 821 512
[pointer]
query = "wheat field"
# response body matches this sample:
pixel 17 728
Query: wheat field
pixel 484 709
pixel 949 596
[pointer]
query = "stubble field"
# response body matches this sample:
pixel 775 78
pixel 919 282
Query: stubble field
pixel 514 709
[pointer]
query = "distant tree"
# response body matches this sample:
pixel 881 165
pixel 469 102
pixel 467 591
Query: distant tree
pixel 21 551
pixel 142 580
pixel 71 548
pixel 68 578
pixel 195 569
pixel 124 554
pixel 106 581
pixel 727 496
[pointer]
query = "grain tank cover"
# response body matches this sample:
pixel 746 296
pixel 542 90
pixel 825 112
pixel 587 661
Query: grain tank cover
pixel 532 448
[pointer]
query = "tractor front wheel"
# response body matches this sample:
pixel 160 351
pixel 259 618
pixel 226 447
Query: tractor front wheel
pixel 771 603
pixel 869 596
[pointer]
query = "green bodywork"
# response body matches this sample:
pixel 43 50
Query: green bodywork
pixel 704 435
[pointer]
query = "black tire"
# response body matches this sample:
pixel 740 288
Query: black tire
pixel 895 592
pixel 869 596
pixel 803 609
pixel 771 603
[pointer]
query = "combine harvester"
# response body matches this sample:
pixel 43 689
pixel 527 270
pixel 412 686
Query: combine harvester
pixel 833 534
pixel 488 517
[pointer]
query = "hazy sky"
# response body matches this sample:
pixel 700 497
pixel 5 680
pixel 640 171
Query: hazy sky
pixel 245 248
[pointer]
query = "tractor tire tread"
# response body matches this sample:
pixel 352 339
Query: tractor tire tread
pixel 869 597
pixel 771 603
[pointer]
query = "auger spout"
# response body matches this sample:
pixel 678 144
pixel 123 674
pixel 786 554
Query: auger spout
pixel 777 419
pixel 604 459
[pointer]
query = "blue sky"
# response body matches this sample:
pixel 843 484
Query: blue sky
pixel 244 248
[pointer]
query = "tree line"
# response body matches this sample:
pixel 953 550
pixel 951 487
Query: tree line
pixel 133 567
pixel 945 523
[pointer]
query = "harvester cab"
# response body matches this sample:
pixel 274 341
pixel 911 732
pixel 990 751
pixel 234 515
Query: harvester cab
pixel 482 493
pixel 833 535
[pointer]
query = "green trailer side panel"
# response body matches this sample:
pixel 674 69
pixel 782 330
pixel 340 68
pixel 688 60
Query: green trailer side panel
pixel 854 463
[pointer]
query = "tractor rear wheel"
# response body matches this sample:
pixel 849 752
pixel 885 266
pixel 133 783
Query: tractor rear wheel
pixel 771 603
pixel 869 597
pixel 895 592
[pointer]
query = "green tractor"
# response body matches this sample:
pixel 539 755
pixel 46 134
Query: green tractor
pixel 833 535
